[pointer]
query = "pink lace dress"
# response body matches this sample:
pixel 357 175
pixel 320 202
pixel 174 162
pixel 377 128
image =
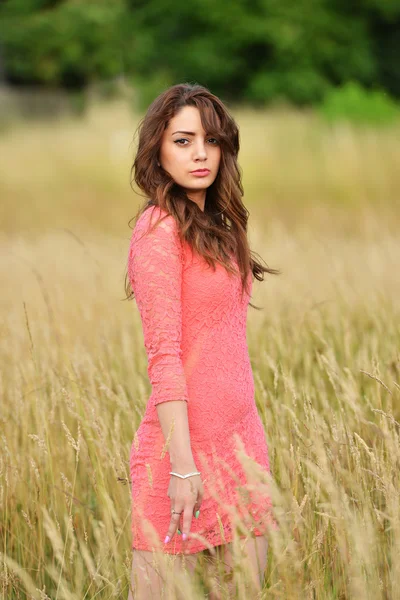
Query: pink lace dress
pixel 194 329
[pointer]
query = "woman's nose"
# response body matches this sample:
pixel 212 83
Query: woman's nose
pixel 200 151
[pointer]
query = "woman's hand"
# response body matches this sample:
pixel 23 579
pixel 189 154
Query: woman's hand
pixel 186 495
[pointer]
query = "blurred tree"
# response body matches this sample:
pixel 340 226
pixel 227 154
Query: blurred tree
pixel 244 50
pixel 254 50
pixel 351 102
pixel 58 43
pixel 385 36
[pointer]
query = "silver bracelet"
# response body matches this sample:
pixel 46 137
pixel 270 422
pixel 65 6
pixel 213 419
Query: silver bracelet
pixel 184 476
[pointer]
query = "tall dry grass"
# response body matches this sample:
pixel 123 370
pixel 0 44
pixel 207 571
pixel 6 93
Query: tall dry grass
pixel 65 173
pixel 324 351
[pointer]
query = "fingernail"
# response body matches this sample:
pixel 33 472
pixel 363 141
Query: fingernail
pixel 179 531
pixel 197 514
pixel 184 536
pixel 167 539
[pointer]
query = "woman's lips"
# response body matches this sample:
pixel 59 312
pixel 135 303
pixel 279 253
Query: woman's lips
pixel 200 172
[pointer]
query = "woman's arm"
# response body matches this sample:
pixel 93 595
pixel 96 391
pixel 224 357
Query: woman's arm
pixel 174 423
pixel 155 272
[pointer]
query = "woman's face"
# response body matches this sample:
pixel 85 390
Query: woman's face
pixel 186 148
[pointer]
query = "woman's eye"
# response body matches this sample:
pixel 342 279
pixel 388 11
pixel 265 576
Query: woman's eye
pixel 182 141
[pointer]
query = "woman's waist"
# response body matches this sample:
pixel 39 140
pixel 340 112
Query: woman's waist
pixel 216 362
pixel 213 408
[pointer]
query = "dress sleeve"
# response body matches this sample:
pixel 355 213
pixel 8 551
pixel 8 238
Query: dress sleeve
pixel 155 273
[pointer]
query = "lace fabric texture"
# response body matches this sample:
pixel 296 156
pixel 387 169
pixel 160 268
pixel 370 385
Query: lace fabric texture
pixel 155 268
pixel 194 329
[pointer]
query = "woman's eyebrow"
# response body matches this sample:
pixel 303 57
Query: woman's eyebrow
pixel 187 132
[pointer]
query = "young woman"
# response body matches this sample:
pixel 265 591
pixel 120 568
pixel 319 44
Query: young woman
pixel 190 269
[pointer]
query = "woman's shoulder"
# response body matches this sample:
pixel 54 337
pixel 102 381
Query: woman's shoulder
pixel 152 213
pixel 158 222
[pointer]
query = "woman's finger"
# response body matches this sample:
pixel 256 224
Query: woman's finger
pixel 173 525
pixel 187 521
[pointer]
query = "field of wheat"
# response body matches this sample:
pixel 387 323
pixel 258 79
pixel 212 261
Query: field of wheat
pixel 324 206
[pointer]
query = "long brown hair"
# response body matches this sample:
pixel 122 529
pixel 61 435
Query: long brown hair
pixel 221 229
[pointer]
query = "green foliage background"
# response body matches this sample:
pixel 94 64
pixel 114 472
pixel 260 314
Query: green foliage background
pixel 253 51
